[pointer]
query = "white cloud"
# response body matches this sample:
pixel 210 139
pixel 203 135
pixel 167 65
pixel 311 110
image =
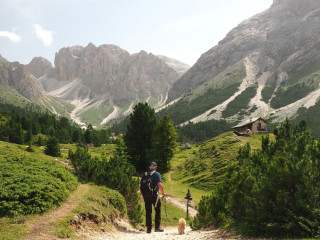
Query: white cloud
pixel 44 35
pixel 11 35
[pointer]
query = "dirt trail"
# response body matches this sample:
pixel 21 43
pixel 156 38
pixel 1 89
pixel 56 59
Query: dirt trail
pixel 170 233
pixel 180 202
pixel 42 227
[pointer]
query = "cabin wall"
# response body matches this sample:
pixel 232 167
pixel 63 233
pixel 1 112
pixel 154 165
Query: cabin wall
pixel 255 126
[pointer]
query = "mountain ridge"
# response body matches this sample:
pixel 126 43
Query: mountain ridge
pixel 97 84
pixel 279 49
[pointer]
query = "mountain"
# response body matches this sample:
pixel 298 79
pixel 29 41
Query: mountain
pixel 269 66
pixel 180 67
pixel 39 66
pixel 98 84
pixel 17 77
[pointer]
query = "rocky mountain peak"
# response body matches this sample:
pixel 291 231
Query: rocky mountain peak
pixel 39 66
pixel 180 67
pixel 2 59
pixel 15 75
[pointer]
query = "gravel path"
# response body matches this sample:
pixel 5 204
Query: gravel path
pixel 170 233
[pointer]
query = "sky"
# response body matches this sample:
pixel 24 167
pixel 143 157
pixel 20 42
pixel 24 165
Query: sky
pixel 180 29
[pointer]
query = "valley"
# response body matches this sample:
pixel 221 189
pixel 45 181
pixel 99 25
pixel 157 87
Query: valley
pixel 239 129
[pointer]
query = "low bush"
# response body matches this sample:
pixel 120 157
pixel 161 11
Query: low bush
pixel 32 185
pixel 116 173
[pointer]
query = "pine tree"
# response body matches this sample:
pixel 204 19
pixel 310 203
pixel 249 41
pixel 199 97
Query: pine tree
pixel 52 148
pixel 96 139
pixel 76 136
pixel 28 135
pixel 34 128
pixel 40 141
pixel 88 136
pixel 164 143
pixel 139 135
pixel 104 136
pixel 16 134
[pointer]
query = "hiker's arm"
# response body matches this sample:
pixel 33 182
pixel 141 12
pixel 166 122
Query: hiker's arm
pixel 161 188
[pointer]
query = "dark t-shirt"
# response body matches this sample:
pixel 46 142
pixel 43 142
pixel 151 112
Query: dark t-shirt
pixel 156 179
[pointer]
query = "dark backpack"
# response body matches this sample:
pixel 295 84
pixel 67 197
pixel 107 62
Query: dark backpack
pixel 147 185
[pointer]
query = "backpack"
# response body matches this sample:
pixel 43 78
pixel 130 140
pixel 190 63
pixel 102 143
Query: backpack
pixel 147 185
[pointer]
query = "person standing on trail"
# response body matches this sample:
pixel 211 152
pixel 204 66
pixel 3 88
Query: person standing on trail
pixel 149 189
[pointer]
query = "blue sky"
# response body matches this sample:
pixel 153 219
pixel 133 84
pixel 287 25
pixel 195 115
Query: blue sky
pixel 180 29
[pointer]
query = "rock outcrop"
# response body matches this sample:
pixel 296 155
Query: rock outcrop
pixel 39 66
pixel 112 71
pixel 16 76
pixel 105 82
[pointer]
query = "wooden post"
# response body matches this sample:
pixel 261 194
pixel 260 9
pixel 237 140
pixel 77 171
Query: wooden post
pixel 188 197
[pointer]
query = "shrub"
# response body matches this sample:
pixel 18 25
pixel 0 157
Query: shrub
pixel 29 185
pixel 117 173
pixel 271 192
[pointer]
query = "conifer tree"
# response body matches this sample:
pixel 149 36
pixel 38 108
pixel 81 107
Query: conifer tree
pixel 40 141
pixel 139 135
pixel 163 143
pixel 88 136
pixel 52 148
pixel 28 135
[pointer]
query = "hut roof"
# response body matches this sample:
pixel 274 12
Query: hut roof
pixel 249 121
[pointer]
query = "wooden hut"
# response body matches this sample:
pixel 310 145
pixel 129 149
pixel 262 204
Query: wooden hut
pixel 254 125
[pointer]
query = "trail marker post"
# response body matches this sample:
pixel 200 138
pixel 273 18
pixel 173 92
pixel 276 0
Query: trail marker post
pixel 189 198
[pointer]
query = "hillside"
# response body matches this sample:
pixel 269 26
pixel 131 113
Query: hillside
pixel 36 183
pixel 267 66
pixel 31 182
pixel 203 166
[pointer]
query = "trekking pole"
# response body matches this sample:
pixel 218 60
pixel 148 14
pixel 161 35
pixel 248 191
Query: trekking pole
pixel 165 207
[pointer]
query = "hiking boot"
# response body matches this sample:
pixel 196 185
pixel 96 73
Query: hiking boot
pixel 149 230
pixel 159 230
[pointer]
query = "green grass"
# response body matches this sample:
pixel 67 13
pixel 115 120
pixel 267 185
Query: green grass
pixel 12 228
pixel 12 97
pixel 175 187
pixel 174 214
pixel 96 113
pixel 101 204
pixel 205 168
pixel 62 107
pixel 63 228
pixel 100 201
pixel 106 150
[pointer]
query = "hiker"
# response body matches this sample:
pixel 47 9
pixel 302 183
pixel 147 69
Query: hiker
pixel 149 189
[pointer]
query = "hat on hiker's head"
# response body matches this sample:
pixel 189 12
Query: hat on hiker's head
pixel 153 164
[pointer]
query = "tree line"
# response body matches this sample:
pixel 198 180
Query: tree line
pixel 19 126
